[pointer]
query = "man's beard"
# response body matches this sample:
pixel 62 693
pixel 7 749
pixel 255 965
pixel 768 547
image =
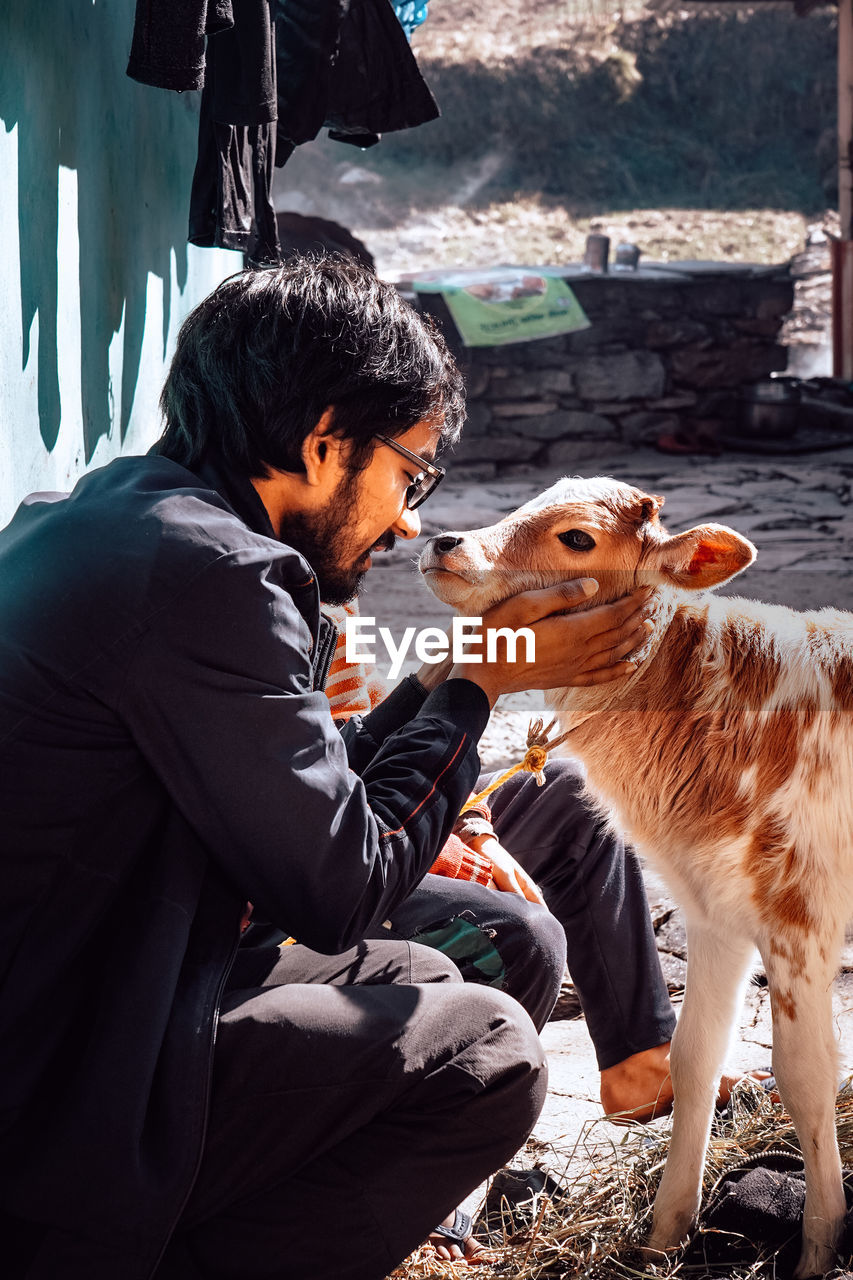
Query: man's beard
pixel 327 543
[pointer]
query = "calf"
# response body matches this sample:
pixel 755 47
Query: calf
pixel 727 757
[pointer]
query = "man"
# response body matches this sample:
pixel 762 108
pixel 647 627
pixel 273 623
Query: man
pixel 173 1103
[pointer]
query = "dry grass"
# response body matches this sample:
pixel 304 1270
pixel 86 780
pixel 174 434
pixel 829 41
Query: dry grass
pixel 496 30
pixel 595 1226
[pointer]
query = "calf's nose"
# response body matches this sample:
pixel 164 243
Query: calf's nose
pixel 445 542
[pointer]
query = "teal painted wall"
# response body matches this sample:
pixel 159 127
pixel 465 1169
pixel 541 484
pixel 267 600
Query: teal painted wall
pixel 95 272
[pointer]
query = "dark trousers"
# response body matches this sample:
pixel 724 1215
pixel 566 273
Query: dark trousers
pixel 356 1100
pixel 599 917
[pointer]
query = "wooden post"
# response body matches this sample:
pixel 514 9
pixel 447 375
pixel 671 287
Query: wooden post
pixel 842 255
pixel 845 117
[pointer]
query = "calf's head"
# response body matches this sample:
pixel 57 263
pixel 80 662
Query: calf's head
pixel 598 528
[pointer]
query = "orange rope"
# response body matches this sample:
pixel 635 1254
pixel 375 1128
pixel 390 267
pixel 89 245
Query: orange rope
pixel 535 758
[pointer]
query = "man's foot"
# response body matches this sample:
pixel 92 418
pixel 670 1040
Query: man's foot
pixel 640 1087
pixel 452 1240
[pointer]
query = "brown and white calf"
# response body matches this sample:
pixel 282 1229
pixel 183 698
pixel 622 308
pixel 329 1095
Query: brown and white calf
pixel 727 757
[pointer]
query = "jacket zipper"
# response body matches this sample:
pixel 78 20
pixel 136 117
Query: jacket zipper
pixel 327 638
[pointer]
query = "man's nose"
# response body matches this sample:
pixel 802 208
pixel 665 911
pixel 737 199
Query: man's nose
pixel 408 524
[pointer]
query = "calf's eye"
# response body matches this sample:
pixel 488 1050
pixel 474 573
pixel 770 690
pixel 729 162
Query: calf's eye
pixel 577 540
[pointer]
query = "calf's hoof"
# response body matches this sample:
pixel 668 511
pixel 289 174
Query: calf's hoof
pixel 657 1248
pixel 650 1253
pixel 671 1228
pixel 667 1237
pixel 815 1260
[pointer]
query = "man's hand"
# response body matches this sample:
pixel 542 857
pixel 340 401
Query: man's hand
pixel 507 875
pixel 574 649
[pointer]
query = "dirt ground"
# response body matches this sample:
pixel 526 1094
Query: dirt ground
pixel 383 210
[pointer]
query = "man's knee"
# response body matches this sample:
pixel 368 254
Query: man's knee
pixel 430 965
pixel 519 1046
pixel 532 944
pixel 505 1055
pixel 547 941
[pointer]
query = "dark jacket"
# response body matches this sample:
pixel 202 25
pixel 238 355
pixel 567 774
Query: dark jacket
pixel 165 757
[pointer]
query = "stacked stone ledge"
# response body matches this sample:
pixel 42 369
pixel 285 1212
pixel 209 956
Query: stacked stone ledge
pixel 667 349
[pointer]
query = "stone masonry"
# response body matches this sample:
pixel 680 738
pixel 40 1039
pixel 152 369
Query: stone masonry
pixel 667 349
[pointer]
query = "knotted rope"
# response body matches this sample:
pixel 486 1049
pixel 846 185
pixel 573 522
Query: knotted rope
pixel 535 758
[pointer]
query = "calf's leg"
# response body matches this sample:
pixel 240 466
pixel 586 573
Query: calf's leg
pixel 717 965
pixel 804 1063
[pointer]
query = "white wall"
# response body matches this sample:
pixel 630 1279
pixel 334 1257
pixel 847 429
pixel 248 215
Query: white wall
pixel 95 272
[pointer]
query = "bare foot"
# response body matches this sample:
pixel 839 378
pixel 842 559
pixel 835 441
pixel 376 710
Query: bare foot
pixel 640 1087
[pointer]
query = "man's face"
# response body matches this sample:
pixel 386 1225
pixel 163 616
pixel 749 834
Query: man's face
pixel 366 512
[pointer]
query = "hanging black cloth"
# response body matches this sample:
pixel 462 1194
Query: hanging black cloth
pixel 231 199
pixel 346 65
pixel 167 50
pixel 228 51
pixel 273 73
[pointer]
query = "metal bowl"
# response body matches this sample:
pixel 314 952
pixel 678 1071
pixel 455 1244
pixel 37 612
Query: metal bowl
pixel 770 408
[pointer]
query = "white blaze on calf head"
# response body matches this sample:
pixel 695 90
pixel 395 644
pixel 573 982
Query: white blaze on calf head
pixel 578 528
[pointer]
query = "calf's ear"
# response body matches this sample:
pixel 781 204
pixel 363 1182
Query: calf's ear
pixel 702 557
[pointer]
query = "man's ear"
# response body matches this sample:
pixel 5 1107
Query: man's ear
pixel 706 556
pixel 319 446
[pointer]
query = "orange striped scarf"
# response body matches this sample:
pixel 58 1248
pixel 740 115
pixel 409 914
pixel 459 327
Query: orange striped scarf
pixel 351 690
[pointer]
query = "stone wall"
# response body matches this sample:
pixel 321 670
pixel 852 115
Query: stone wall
pixel 667 350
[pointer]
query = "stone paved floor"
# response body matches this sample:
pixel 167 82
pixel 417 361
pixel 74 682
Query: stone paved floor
pixel 798 510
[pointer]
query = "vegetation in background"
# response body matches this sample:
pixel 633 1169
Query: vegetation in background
pixel 696 133
pixel 724 108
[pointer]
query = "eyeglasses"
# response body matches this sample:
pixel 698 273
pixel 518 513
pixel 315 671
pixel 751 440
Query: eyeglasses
pixel 425 482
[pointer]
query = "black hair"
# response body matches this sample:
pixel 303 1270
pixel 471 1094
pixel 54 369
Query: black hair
pixel 259 361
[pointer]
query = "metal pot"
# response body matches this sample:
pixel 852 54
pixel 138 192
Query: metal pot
pixel 770 408
pixel 627 256
pixel 596 253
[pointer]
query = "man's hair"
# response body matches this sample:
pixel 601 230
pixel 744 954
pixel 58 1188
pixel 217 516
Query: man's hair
pixel 259 361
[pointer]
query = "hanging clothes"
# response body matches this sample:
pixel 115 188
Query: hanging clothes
pixel 169 36
pixel 228 51
pixel 273 73
pixel 345 65
pixel 231 198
